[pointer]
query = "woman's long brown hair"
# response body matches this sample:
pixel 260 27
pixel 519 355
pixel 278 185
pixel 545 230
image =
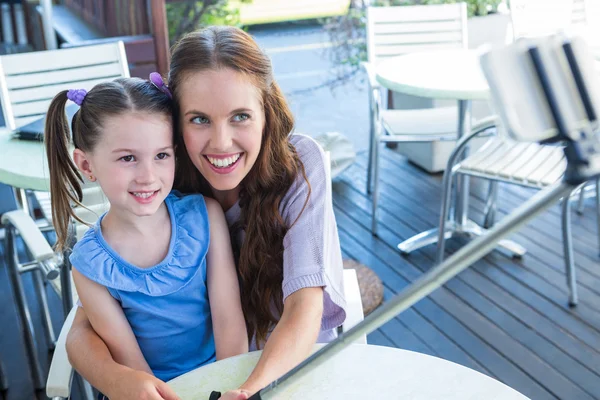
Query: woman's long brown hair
pixel 260 263
pixel 104 100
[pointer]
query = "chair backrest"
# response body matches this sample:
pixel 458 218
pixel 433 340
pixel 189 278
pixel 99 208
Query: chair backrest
pixel 29 81
pixel 397 30
pixel 579 14
pixel 532 18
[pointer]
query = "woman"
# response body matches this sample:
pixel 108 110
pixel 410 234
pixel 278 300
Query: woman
pixel 234 145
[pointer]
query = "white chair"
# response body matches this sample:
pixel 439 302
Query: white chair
pixel 29 81
pixel 45 260
pixel 530 18
pixel 354 306
pixel 394 31
pixel 532 165
pixel 503 160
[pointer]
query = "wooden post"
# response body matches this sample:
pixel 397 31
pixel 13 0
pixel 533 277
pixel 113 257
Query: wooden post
pixel 161 35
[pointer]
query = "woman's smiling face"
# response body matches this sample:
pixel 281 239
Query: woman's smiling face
pixel 222 120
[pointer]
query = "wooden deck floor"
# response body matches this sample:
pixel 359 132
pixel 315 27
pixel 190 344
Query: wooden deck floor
pixel 508 319
pixel 505 318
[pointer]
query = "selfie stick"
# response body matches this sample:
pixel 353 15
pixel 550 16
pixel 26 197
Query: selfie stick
pixel 582 166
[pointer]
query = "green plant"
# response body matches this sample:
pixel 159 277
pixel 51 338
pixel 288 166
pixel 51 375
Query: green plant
pixel 188 15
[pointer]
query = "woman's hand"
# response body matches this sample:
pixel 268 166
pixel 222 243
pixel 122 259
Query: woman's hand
pixel 134 384
pixel 237 394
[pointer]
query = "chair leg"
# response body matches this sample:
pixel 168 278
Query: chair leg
pixel 12 262
pixel 581 201
pixel 375 196
pixel 40 289
pixel 371 150
pixel 598 210
pixel 490 206
pixel 444 212
pixel 568 250
pixel 3 380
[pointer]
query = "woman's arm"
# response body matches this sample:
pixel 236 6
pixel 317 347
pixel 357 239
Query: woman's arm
pixel 290 342
pixel 229 327
pixel 90 356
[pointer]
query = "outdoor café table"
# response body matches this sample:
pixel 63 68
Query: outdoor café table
pixel 23 163
pixel 357 372
pixel 443 74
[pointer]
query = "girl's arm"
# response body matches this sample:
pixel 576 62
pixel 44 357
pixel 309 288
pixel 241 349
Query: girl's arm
pixel 229 327
pixel 90 356
pixel 104 349
pixel 290 342
pixel 108 320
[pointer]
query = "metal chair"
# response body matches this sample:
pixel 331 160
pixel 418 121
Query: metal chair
pixel 526 164
pixel 52 266
pixel 394 31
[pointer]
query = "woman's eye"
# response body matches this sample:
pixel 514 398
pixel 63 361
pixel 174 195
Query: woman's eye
pixel 162 156
pixel 200 120
pixel 128 158
pixel 241 117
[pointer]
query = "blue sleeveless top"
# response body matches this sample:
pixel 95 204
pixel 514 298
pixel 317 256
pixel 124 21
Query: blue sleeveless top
pixel 167 304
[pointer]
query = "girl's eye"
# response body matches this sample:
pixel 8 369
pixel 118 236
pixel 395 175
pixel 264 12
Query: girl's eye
pixel 162 156
pixel 241 117
pixel 128 158
pixel 200 120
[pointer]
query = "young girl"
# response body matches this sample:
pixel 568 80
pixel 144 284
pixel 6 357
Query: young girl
pixel 145 272
pixel 234 144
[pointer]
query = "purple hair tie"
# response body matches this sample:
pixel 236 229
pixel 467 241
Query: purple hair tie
pixel 76 96
pixel 157 81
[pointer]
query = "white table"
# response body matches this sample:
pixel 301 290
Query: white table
pixel 452 74
pixel 358 372
pixel 23 164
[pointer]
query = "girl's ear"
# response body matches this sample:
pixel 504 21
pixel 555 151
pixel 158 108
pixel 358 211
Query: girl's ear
pixel 82 161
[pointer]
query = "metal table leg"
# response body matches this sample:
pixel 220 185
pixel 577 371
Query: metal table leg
pixel 460 225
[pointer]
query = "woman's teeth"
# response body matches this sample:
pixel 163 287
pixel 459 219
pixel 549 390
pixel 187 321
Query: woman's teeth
pixel 223 162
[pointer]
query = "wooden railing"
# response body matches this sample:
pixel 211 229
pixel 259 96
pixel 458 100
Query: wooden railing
pixel 114 17
pixel 143 19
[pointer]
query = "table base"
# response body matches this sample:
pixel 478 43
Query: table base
pixel 469 230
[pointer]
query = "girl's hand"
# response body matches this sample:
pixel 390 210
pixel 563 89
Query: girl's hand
pixel 237 394
pixel 142 385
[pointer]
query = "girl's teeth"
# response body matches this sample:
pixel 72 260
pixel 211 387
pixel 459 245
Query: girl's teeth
pixel 143 195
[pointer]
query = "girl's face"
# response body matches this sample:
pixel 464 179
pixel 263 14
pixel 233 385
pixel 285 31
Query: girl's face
pixel 222 119
pixel 133 162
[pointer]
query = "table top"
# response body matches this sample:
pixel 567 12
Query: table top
pixel 444 74
pixel 23 163
pixel 390 373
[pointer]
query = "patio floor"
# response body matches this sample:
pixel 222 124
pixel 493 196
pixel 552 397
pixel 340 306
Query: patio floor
pixel 505 318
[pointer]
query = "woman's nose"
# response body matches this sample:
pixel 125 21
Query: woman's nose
pixel 221 139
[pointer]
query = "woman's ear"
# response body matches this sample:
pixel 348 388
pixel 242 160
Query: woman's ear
pixel 84 165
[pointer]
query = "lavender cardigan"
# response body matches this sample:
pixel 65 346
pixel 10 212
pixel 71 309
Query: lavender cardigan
pixel 312 255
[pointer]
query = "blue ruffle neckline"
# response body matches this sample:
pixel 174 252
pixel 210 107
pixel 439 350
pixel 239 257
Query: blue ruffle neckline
pixel 93 257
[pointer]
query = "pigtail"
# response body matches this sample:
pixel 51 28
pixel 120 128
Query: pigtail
pixel 65 179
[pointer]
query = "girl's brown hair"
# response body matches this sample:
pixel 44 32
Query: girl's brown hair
pixel 104 100
pixel 260 263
